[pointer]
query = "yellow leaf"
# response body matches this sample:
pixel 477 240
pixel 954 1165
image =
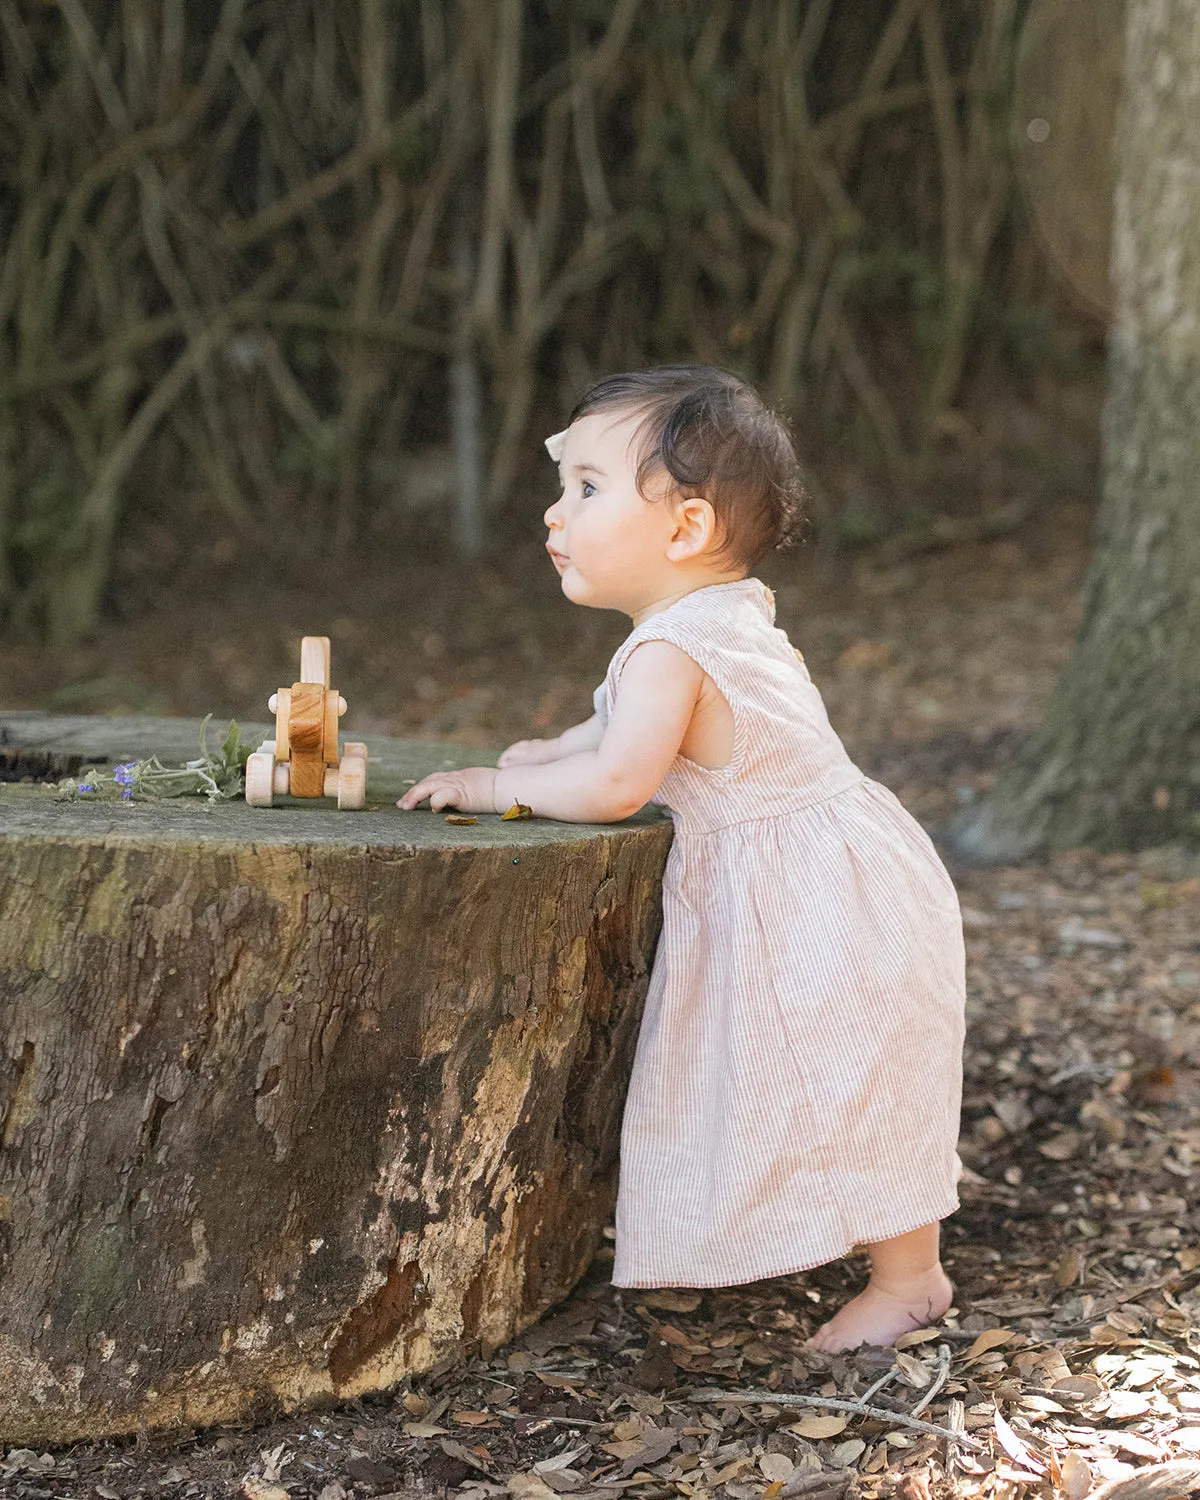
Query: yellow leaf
pixel 818 1427
pixel 990 1338
pixel 517 810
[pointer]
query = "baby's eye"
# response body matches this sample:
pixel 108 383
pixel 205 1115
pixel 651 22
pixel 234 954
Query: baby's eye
pixel 587 488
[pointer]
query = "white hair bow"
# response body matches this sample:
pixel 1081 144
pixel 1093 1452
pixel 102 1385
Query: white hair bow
pixel 555 444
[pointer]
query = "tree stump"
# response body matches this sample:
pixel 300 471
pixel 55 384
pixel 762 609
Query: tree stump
pixel 295 1102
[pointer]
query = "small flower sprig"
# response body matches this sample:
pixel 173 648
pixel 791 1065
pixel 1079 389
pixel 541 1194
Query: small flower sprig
pixel 219 775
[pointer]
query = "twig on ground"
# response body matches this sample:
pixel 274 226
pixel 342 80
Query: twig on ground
pixel 814 1485
pixel 941 1375
pixel 879 1385
pixel 831 1403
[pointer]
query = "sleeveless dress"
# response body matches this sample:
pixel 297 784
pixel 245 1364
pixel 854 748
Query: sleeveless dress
pixel 798 1074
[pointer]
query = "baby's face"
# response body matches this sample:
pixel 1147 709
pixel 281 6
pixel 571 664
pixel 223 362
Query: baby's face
pixel 606 541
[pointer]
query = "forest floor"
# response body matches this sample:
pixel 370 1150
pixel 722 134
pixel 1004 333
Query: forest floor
pixel 1072 1355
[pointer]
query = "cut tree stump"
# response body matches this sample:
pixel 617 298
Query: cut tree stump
pixel 295 1102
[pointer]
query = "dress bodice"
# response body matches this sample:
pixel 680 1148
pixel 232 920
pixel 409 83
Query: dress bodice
pixel 786 754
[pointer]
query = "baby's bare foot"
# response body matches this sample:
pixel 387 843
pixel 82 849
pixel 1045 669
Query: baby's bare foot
pixel 877 1316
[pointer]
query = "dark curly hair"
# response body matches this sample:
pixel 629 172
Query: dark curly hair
pixel 715 437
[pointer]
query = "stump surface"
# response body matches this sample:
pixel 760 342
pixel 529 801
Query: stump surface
pixel 295 1102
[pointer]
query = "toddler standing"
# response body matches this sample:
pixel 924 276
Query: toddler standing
pixel 797 1081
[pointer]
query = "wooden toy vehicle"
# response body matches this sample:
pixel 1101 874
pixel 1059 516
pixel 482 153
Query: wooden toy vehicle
pixel 303 759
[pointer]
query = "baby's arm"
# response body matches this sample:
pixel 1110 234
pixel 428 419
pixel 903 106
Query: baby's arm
pixel 646 727
pixel 538 752
pixel 605 781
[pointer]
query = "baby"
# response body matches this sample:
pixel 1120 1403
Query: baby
pixel 796 1086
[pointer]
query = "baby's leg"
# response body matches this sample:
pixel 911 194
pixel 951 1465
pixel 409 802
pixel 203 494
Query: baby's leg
pixel 908 1289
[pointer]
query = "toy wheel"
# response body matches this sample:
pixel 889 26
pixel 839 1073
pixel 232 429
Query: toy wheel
pixel 352 782
pixel 260 778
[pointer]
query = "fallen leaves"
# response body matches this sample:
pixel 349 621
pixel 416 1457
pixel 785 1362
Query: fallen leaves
pixel 1020 1452
pixel 818 1427
pixel 777 1466
pixel 422 1429
pixel 529 1487
pixel 26 1461
pixel 991 1338
pixel 254 1488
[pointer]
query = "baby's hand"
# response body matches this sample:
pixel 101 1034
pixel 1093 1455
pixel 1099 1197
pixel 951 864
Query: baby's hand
pixel 471 790
pixel 529 753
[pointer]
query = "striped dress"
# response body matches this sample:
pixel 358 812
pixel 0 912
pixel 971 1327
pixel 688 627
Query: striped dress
pixel 798 1074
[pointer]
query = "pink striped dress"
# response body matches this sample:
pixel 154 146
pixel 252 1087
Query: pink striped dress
pixel 798 1074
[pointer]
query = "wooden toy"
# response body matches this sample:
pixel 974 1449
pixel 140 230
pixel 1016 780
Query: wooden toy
pixel 303 758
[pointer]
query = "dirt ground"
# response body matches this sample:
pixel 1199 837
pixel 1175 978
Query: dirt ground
pixel 1072 1354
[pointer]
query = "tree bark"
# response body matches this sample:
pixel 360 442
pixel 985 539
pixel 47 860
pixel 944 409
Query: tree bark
pixel 294 1102
pixel 1116 762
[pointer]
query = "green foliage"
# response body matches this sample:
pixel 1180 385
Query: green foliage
pixel 218 775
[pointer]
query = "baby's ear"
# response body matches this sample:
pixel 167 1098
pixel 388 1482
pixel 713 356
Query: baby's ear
pixel 555 444
pixel 696 525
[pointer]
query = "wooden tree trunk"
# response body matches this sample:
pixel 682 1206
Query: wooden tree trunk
pixel 295 1103
pixel 1116 763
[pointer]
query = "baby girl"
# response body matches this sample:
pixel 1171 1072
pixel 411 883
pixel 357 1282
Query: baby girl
pixel 796 1087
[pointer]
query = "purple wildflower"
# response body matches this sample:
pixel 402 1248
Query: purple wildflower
pixel 125 775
